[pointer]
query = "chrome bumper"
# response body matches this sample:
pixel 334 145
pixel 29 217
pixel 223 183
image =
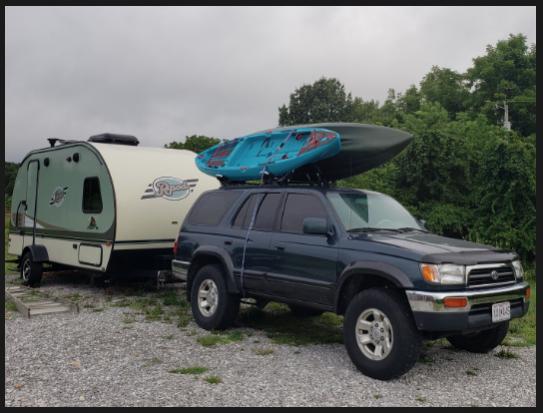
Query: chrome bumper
pixel 432 302
pixel 180 269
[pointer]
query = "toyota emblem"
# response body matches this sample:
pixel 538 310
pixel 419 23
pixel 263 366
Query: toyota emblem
pixel 494 275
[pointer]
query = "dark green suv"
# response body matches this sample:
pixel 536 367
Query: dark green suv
pixel 353 252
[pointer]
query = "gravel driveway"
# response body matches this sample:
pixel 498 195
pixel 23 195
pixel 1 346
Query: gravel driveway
pixel 112 356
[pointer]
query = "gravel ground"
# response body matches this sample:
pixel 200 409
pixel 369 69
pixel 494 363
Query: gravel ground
pixel 96 358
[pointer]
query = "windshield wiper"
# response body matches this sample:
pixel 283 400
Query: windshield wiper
pixel 371 229
pixel 406 229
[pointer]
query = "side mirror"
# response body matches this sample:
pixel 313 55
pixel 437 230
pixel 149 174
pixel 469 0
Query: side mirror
pixel 315 226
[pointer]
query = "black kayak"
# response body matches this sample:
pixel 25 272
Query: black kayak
pixel 363 147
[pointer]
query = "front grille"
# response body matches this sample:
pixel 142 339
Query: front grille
pixel 483 275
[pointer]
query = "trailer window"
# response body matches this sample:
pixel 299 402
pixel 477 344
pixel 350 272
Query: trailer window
pixel 92 197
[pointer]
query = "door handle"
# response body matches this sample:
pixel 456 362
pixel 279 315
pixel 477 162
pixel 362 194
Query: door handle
pixel 227 242
pixel 279 248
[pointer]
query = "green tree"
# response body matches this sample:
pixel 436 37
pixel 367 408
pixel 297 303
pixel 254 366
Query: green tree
pixel 446 87
pixel 505 196
pixel 365 111
pixel 463 172
pixel 409 101
pixel 506 71
pixel 10 172
pixel 195 143
pixel 323 101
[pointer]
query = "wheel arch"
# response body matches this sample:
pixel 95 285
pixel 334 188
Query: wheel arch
pixel 362 275
pixel 212 255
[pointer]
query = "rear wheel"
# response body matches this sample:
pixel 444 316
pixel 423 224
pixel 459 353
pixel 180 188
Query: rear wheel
pixel 213 307
pixel 31 271
pixel 380 334
pixel 481 341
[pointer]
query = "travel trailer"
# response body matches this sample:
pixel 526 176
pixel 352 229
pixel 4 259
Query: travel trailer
pixel 106 205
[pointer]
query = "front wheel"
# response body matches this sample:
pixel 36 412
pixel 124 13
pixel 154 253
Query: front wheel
pixel 31 271
pixel 213 307
pixel 481 341
pixel 380 334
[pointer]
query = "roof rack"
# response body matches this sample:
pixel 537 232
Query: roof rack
pixel 313 177
pixel 115 138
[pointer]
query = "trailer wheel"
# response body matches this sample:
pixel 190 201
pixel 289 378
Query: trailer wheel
pixel 213 307
pixel 31 271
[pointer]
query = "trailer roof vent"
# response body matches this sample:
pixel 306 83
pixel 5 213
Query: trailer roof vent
pixel 115 139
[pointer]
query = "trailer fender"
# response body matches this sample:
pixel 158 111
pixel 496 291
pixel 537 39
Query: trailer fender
pixel 39 253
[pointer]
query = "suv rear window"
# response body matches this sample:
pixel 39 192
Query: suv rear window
pixel 211 207
pixel 298 207
pixel 265 216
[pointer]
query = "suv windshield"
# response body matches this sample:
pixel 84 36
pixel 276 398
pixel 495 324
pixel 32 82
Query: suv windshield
pixel 371 211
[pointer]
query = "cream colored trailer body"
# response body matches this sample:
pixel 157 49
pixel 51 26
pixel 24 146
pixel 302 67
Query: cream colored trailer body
pixel 101 206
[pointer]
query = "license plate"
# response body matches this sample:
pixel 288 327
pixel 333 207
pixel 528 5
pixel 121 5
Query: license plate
pixel 501 311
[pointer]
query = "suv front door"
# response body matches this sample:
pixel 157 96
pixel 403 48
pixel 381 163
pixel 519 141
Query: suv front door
pixel 306 265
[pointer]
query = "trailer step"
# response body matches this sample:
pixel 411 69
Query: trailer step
pixel 30 302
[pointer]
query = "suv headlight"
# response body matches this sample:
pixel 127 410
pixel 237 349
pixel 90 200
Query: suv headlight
pixel 443 273
pixel 519 271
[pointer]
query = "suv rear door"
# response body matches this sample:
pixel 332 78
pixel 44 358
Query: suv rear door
pixel 306 263
pixel 259 257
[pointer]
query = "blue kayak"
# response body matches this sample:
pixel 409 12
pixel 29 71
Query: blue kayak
pixel 269 153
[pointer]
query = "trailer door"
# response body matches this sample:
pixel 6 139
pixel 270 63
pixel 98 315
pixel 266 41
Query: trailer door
pixel 32 181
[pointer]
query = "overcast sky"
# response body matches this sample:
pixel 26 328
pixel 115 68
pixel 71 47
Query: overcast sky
pixel 162 73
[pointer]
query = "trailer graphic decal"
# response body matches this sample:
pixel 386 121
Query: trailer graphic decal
pixel 58 196
pixel 170 188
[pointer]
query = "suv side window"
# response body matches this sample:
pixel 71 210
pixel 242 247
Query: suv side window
pixel 298 207
pixel 265 216
pixel 244 214
pixel 211 207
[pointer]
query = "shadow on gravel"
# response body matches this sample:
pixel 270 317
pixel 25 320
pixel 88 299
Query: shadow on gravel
pixel 282 327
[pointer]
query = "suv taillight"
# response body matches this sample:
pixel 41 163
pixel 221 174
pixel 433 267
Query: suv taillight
pixel 175 248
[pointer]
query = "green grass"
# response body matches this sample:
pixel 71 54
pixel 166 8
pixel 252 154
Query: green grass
pixel 263 351
pixel 9 306
pixel 425 359
pixel 167 306
pixel 522 331
pixel 213 379
pixel 506 354
pixel 471 372
pixel 152 362
pixel 214 339
pixel 282 327
pixel 189 370
pixel 128 318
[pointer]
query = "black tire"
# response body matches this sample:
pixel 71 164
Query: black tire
pixel 227 308
pixel 406 340
pixel 481 341
pixel 31 271
pixel 300 311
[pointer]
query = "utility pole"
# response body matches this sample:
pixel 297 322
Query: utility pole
pixel 506 123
